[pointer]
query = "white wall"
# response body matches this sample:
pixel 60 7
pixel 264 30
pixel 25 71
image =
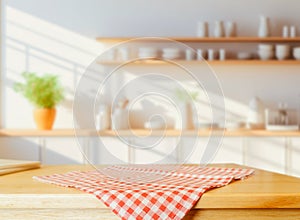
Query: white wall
pixel 58 36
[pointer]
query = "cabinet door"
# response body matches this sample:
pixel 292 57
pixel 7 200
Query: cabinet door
pixel 294 157
pixel 230 151
pixel 19 148
pixel 156 150
pixel 61 150
pixel 226 150
pixel 107 150
pixel 266 153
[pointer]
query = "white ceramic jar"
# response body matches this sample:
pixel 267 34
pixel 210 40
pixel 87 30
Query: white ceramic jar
pixel 103 118
pixel 222 54
pixel 202 29
pixel 255 117
pixel 264 27
pixel 219 29
pixel 189 54
pixel 186 110
pixel 201 54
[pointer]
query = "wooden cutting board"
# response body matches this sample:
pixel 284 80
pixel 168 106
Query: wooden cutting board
pixel 11 166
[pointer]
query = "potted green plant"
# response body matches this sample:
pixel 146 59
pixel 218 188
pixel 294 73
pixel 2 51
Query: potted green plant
pixel 44 92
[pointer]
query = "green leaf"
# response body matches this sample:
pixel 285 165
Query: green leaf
pixel 42 91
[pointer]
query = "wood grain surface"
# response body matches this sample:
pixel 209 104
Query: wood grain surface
pixel 265 195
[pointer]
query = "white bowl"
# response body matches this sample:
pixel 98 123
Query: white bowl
pixel 296 53
pixel 234 125
pixel 265 47
pixel 296 50
pixel 282 47
pixel 148 50
pixel 202 125
pixel 141 55
pixel 296 56
pixel 282 56
pixel 170 57
pixel 170 50
pixel 154 124
pixel 265 55
pixel 244 56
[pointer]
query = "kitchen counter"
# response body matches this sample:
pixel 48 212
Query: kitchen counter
pixel 264 195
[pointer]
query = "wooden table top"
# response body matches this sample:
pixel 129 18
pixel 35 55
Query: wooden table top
pixel 261 190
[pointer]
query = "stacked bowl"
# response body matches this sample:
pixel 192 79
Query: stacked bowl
pixel 171 53
pixel 146 52
pixel 296 53
pixel 265 51
pixel 282 51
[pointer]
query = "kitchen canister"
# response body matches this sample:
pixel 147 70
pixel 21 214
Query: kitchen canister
pixel 219 29
pixel 189 54
pixel 222 54
pixel 264 29
pixel 103 118
pixel 211 54
pixel 202 29
pixel 255 117
pixel 186 113
pixel 285 31
pixel 293 31
pixel 201 54
pixel 124 53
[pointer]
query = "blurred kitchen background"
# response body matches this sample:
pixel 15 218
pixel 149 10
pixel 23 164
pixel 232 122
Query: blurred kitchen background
pixel 59 36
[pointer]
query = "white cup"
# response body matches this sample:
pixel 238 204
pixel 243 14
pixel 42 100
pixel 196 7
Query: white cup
pixel 201 54
pixel 219 29
pixel 124 53
pixel 211 54
pixel 293 31
pixel 282 51
pixel 265 47
pixel 285 31
pixel 189 54
pixel 202 29
pixel 222 54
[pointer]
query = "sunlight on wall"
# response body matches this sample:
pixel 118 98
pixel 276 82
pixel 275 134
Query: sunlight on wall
pixel 35 45
pixel 135 81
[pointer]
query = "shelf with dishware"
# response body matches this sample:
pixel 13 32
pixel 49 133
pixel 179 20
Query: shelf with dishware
pixel 201 132
pixel 246 39
pixel 270 51
pixel 146 132
pixel 190 62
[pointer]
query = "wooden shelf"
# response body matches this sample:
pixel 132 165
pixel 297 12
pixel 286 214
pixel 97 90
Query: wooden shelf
pixel 144 132
pixel 203 133
pixel 245 39
pixel 215 62
pixel 38 133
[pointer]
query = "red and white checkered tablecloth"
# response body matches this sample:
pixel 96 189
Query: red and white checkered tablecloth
pixel 169 197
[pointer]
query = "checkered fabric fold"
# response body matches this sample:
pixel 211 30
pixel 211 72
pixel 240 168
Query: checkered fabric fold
pixel 171 194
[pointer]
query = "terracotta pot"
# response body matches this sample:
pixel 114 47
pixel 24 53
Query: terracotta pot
pixel 44 118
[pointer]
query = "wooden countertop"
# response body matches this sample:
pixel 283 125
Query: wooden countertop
pixel 263 190
pixel 144 132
